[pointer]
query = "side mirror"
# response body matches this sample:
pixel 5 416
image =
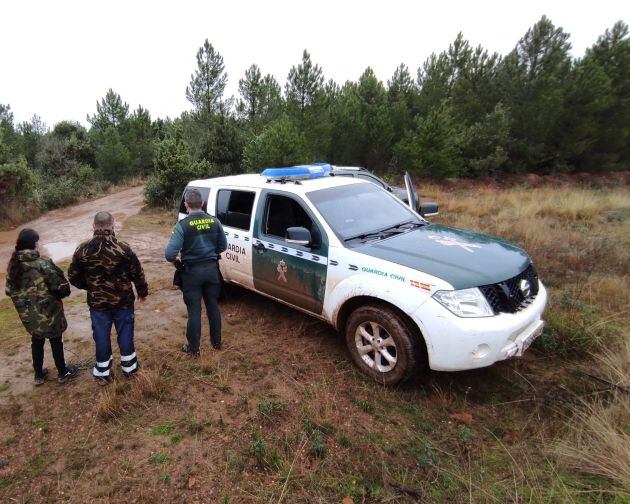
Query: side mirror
pixel 298 236
pixel 428 209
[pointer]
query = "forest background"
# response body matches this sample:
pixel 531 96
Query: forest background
pixel 464 113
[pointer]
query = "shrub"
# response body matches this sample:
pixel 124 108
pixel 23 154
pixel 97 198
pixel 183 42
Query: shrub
pixel 280 144
pixel 15 178
pixel 174 169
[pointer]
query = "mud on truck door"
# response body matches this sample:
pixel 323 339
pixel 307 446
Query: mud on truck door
pixel 290 272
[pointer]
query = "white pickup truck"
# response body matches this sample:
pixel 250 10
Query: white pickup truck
pixel 406 293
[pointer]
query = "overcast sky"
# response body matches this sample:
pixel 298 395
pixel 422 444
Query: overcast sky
pixel 57 58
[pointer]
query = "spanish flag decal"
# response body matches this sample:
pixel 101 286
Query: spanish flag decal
pixel 420 285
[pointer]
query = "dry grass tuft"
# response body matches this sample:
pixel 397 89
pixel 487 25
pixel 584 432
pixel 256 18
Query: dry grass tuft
pixel 111 404
pixel 615 363
pixel 598 442
pixel 122 396
pixel 148 384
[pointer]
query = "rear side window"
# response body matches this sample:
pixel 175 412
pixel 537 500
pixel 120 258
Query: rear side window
pixel 234 208
pixel 205 193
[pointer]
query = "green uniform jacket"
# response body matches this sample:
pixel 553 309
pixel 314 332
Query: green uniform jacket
pixel 38 296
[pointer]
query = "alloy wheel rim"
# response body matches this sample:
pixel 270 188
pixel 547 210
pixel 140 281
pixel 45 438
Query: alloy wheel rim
pixel 376 347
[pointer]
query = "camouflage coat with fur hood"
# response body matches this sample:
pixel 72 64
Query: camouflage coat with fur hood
pixel 38 294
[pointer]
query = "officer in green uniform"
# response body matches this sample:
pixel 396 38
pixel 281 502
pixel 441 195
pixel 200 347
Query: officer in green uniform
pixel 199 239
pixel 36 286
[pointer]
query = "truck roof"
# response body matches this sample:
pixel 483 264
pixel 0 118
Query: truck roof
pixel 255 180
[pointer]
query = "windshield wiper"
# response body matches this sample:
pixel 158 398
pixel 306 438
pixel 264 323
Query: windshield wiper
pixel 381 233
pixel 363 236
pixel 406 223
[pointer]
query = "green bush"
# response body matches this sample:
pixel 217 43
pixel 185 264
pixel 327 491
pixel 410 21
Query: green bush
pixel 173 170
pixel 53 192
pixel 16 179
pixel 280 144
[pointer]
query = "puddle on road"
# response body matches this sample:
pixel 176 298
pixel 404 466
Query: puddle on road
pixel 59 250
pixel 60 231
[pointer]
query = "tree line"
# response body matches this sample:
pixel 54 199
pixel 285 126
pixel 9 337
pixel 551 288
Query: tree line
pixel 465 112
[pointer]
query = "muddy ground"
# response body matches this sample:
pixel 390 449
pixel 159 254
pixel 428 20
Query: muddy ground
pixel 280 415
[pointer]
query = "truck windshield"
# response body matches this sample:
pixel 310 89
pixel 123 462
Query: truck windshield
pixel 360 209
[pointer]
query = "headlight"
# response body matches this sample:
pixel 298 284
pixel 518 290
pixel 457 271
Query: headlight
pixel 465 302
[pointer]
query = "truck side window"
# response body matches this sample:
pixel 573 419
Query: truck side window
pixel 234 208
pixel 205 193
pixel 282 213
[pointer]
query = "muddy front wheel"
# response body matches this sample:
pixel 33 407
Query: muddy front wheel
pixel 382 345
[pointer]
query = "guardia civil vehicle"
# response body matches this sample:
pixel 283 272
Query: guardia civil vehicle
pixel 403 291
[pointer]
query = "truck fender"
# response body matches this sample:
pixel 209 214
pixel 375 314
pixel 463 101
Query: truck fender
pixel 404 298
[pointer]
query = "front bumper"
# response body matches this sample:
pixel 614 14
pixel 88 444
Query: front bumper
pixel 455 343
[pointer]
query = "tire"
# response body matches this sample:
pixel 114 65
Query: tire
pixel 374 326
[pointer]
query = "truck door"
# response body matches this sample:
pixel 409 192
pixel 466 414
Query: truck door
pixel 205 194
pixel 292 273
pixel 234 209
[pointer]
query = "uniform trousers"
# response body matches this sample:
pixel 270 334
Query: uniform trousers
pixel 201 281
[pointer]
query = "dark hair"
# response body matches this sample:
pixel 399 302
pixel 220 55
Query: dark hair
pixel 194 199
pixel 26 241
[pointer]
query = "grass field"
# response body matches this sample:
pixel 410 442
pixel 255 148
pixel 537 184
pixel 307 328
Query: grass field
pixel 281 415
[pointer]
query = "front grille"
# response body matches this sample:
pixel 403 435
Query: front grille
pixel 507 296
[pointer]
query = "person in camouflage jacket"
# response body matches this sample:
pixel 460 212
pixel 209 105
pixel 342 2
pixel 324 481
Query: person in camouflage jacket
pixel 107 267
pixel 36 286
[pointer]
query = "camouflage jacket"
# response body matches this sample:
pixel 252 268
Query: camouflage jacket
pixel 106 268
pixel 37 297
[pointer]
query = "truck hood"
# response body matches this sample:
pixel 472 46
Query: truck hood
pixel 462 258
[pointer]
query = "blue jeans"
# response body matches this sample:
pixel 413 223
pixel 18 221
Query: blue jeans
pixel 201 280
pixel 123 319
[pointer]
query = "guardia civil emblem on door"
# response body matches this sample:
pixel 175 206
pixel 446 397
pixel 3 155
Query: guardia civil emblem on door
pixel 282 269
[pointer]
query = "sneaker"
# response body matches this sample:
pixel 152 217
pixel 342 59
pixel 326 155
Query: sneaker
pixel 71 372
pixel 102 380
pixel 39 380
pixel 131 373
pixel 186 349
pixel 217 346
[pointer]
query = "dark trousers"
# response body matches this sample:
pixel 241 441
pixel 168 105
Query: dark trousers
pixel 37 348
pixel 201 280
pixel 123 320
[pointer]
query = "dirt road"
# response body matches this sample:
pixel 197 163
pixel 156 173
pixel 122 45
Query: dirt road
pixel 62 230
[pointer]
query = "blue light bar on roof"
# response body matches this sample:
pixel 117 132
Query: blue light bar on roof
pixel 300 172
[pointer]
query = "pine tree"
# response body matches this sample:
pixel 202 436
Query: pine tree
pixel 208 82
pixel 110 111
pixel 260 98
pixel 112 157
pixel 603 89
pixel 280 144
pixel 31 133
pixel 304 84
pixel 402 94
pixel 532 82
pixel 433 147
pixel 139 140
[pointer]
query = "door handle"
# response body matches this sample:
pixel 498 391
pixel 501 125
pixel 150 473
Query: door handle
pixel 260 247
